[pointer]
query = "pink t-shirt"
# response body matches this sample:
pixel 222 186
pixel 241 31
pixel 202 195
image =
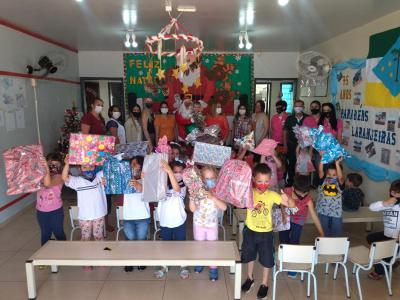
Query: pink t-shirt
pixel 311 122
pixel 49 199
pixel 329 129
pixel 302 205
pixel 277 123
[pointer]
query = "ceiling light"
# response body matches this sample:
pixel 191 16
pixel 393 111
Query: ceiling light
pixel 133 17
pixel 127 44
pixel 249 45
pixel 186 8
pixel 242 18
pixel 246 39
pixel 125 16
pixel 129 16
pixel 241 45
pixel 79 0
pixel 283 2
pixel 134 44
pixel 250 15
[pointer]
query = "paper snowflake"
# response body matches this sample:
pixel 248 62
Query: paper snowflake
pixel 236 71
pixel 141 73
pixel 239 83
pixel 238 57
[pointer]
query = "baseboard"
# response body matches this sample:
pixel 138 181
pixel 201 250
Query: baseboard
pixel 18 214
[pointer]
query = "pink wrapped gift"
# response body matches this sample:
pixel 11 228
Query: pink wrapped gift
pixel 25 169
pixel 266 147
pixel 192 179
pixel 90 149
pixel 234 184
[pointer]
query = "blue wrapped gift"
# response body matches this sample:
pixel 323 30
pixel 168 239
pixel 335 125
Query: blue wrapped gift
pixel 117 173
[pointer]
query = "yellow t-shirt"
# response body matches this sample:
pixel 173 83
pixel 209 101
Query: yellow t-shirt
pixel 259 218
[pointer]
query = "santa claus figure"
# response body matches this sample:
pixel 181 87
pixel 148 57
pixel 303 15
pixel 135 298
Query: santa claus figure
pixel 184 117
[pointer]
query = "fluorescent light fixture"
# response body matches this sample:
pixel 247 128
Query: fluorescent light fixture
pixel 168 6
pixel 283 2
pixel 133 17
pixel 129 16
pixel 79 1
pixel 242 18
pixel 125 17
pixel 250 15
pixel 186 8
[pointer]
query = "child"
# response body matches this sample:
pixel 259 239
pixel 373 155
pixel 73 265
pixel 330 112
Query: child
pixel 274 163
pixel 391 213
pixel 257 234
pixel 329 205
pixel 176 152
pixel 92 203
pixel 205 215
pixel 171 212
pixel 300 193
pixel 353 196
pixel 304 165
pixel 49 205
pixel 136 212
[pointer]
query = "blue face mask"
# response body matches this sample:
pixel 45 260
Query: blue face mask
pixel 90 175
pixel 210 183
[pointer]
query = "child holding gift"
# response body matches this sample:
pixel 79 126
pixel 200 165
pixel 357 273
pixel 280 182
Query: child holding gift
pixel 92 203
pixel 171 212
pixel 136 212
pixel 49 205
pixel 205 215
pixel 257 234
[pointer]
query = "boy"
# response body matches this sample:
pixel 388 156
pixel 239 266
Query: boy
pixel 258 237
pixel 353 196
pixel 391 212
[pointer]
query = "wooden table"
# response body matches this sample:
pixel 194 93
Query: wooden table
pixel 362 215
pixel 135 253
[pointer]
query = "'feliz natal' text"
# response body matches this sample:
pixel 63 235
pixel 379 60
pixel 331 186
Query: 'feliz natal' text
pixel 380 136
pixel 137 64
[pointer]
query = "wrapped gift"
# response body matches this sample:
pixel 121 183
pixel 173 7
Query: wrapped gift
pixel 208 154
pixel 304 135
pixel 210 131
pixel 132 149
pixel 247 140
pixel 155 180
pixel 266 147
pixel 25 169
pixel 330 147
pixel 90 149
pixel 234 184
pixel 192 179
pixel 118 174
pixel 162 146
pixel 280 219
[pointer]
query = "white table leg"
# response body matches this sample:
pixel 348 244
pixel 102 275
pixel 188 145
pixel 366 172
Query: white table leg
pixel 54 269
pixel 239 237
pixel 30 279
pixel 238 280
pixel 234 224
pixel 232 269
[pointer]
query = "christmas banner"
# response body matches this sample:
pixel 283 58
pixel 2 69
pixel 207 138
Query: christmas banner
pixel 214 77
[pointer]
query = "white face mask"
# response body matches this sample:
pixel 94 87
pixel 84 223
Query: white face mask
pixel 218 110
pixel 98 109
pixel 242 112
pixel 298 109
pixel 116 114
pixel 164 110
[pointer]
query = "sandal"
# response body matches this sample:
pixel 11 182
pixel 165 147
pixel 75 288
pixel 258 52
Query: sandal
pixel 159 274
pixel 374 276
pixel 184 273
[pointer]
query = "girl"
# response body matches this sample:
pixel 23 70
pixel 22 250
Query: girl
pixel 171 212
pixel 241 123
pixel 133 125
pixel 92 202
pixel 49 205
pixel 114 126
pixel 205 215
pixel 136 212
pixel 165 124
pixel 304 165
pixel 274 163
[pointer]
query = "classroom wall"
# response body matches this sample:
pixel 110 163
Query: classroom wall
pixel 355 44
pixel 17 50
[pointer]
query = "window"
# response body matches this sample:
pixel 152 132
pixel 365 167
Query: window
pixel 263 92
pixel 287 91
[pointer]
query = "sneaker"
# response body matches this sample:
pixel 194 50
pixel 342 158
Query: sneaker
pixel 198 270
pixel 247 285
pixel 141 268
pixel 262 292
pixel 292 275
pixel 128 269
pixel 213 274
pixel 160 273
pixel 184 273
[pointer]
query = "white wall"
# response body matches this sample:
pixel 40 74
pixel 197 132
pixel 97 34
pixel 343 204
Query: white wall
pixel 18 50
pixel 355 44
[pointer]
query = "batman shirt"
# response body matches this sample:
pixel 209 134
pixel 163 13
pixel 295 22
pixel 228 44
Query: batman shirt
pixel 330 198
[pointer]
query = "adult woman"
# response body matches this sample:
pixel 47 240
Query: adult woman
pixel 218 118
pixel 114 126
pixel 331 124
pixel 133 126
pixel 148 123
pixel 260 122
pixel 93 122
pixel 165 124
pixel 242 123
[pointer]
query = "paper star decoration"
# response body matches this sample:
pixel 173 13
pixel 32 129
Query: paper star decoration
pixel 161 74
pixel 183 67
pixel 175 73
pixel 197 83
pixel 185 88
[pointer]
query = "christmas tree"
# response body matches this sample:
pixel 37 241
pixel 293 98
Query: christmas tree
pixel 71 125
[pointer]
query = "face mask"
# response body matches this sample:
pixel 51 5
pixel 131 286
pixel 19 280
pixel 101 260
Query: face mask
pixel 136 115
pixel 298 109
pixel 242 112
pixel 218 110
pixel 98 109
pixel 300 196
pixel 54 168
pixel 89 175
pixel 178 177
pixel 116 114
pixel 149 105
pixel 326 114
pixel 315 111
pixel 262 187
pixel 164 110
pixel 279 110
pixel 210 183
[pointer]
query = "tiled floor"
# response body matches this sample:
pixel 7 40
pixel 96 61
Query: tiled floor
pixel 20 238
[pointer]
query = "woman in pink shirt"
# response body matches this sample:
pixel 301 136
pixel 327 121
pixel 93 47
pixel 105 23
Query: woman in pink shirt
pixel 277 122
pixel 331 124
pixel 49 206
pixel 313 120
